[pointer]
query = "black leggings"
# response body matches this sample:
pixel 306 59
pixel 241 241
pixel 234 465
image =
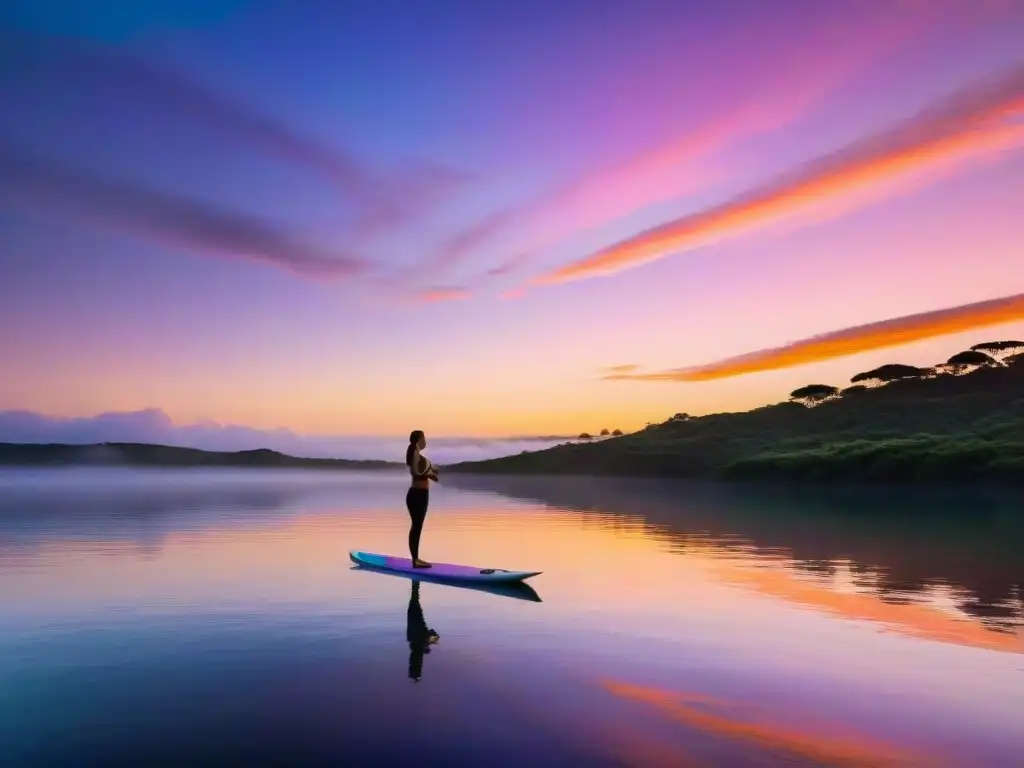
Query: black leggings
pixel 416 502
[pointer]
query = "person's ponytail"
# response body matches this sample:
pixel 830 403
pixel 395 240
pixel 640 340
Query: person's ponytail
pixel 414 438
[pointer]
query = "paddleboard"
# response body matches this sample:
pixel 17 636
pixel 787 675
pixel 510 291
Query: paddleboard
pixel 440 571
pixel 518 590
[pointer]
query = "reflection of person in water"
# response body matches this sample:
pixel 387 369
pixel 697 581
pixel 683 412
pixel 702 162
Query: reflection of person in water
pixel 420 637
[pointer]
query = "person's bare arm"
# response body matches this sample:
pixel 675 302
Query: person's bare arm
pixel 430 470
pixel 423 467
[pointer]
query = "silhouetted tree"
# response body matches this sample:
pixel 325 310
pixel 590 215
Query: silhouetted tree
pixel 970 360
pixel 1000 349
pixel 853 390
pixel 605 433
pixel 616 433
pixel 585 436
pixel 1014 359
pixel 814 394
pixel 889 373
pixel 680 417
pixel 971 357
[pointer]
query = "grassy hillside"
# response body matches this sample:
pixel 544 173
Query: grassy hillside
pixel 144 455
pixel 956 422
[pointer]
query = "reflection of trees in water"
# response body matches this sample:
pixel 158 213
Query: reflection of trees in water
pixel 996 605
pixel 1005 615
pixel 905 546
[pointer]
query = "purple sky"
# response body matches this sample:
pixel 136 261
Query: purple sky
pixel 362 218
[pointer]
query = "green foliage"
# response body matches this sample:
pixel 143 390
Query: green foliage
pixel 919 458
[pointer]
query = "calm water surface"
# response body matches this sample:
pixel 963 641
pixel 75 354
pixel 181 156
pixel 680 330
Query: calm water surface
pixel 208 617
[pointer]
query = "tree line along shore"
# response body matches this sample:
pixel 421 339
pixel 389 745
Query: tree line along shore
pixel 959 421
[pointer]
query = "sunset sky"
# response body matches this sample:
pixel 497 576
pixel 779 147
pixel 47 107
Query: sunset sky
pixel 363 218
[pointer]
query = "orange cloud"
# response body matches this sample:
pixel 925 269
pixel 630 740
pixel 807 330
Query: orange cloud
pixel 976 121
pixel 830 749
pixel 850 341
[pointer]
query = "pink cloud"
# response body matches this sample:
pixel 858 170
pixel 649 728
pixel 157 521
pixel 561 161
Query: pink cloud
pixel 978 121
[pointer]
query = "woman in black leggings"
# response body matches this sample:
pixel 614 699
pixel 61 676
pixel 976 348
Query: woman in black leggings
pixel 418 496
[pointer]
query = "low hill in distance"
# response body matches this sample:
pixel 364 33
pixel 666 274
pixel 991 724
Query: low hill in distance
pixel 145 455
pixel 961 421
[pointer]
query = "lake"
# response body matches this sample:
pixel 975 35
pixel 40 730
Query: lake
pixel 212 617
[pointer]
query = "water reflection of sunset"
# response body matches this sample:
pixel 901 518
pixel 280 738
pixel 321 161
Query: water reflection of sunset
pixel 718 717
pixel 611 561
pixel 777 653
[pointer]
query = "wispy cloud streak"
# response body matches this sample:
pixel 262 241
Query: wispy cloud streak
pixel 849 341
pixel 170 220
pixel 974 122
pixel 380 200
pixel 154 426
pixel 681 165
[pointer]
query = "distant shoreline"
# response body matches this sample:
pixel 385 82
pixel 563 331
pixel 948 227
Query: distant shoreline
pixel 167 456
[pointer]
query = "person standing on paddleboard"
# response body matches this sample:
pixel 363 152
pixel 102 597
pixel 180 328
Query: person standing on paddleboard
pixel 418 495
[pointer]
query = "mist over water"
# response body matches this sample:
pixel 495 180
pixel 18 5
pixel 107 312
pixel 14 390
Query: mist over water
pixel 152 425
pixel 204 616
